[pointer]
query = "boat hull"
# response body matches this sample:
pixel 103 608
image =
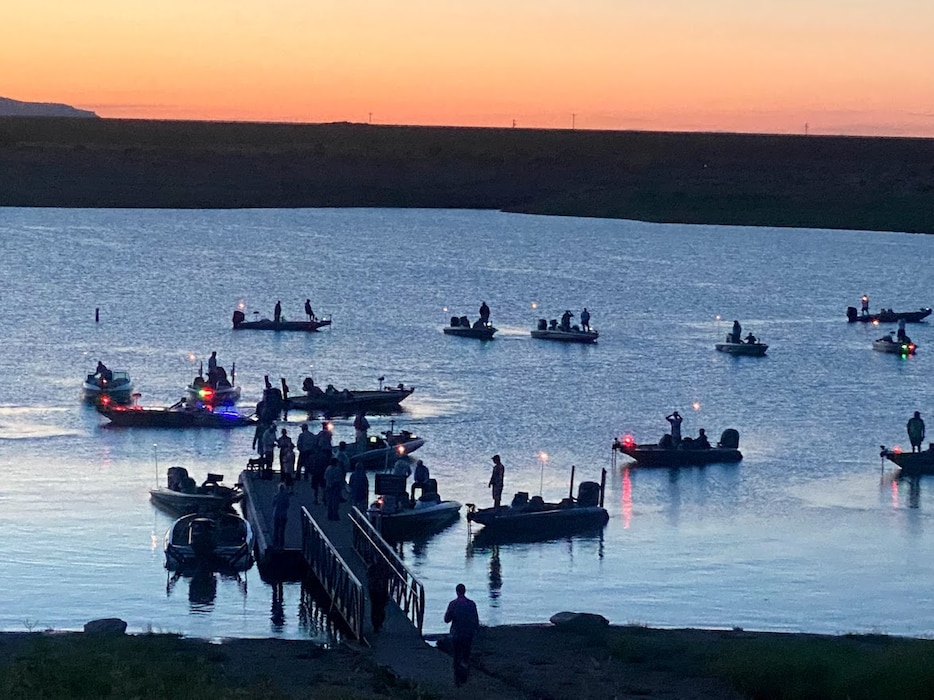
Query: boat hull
pixel 180 504
pixel 483 333
pixel 890 317
pixel 139 417
pixel 349 402
pixel 412 523
pixel 895 348
pixel 582 337
pixel 747 349
pixel 270 325
pixel 376 458
pixel 912 463
pixel 216 397
pixel 506 522
pixel 655 456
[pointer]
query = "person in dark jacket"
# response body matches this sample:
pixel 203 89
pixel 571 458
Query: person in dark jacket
pixel 462 614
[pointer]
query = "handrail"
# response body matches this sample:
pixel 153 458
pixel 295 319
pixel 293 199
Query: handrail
pixel 404 588
pixel 343 587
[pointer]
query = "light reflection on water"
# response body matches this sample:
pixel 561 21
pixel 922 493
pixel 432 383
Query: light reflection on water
pixel 809 532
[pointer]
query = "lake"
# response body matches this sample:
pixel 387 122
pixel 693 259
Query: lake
pixel 809 532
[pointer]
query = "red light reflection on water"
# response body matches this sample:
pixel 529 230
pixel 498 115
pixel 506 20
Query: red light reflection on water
pixel 626 508
pixel 894 493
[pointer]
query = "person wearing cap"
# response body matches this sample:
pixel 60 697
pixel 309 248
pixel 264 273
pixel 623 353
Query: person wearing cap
pixel 916 431
pixel 496 480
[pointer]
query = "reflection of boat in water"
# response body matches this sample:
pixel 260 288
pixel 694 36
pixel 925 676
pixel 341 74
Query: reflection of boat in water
pixel 115 387
pixel 179 415
pixel 533 518
pixel 216 542
pixel 268 324
pixel 398 515
pixel 911 463
pixel 334 402
pixel 181 495
pixel 462 327
pixel 663 454
pixel 887 316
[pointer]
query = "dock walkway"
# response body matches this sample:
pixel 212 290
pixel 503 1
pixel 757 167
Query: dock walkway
pixel 399 644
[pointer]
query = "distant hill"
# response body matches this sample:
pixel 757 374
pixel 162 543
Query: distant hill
pixel 15 108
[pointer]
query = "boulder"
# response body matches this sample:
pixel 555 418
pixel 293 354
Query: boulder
pixel 107 625
pixel 579 621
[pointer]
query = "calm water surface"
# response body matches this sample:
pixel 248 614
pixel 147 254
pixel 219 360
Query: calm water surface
pixel 808 533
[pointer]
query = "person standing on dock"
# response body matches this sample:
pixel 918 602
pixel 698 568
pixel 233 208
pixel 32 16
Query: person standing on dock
pixel 277 312
pixel 465 622
pixel 496 480
pixel 280 516
pixel 359 487
pixel 916 431
pixel 305 445
pixel 333 488
pixel 286 457
pixel 268 444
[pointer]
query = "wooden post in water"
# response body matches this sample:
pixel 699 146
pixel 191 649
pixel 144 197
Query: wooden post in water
pixel 97 315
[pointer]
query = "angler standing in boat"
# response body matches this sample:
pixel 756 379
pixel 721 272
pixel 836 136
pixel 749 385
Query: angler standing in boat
pixel 864 305
pixel 360 426
pixel 585 319
pixel 212 367
pixel 566 320
pixel 277 312
pixel 737 333
pixel 916 431
pixel 484 313
pixel 309 311
pixel 675 421
pixel 496 480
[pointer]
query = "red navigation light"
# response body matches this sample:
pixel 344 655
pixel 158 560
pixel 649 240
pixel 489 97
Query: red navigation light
pixel 897 450
pixel 628 441
pixel 206 393
pixel 105 400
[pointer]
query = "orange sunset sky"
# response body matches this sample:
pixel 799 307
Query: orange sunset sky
pixel 841 67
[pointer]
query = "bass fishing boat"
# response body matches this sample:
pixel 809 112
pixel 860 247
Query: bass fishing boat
pixel 334 402
pixel 747 348
pixel 267 324
pixel 181 495
pixel 564 332
pixel 179 415
pixel 889 344
pixel 534 518
pixel 688 453
pixel 113 386
pixel 887 316
pixel 215 542
pixel 462 327
pixel 379 450
pixel 911 463
pixel 399 515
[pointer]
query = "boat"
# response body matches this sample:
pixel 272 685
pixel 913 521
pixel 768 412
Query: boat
pixel 266 324
pixel 182 496
pixel 887 316
pixel 399 515
pixel 115 387
pixel 533 518
pixel 563 333
pixel 911 463
pixel 662 454
pixel 215 542
pixel 461 327
pixel 889 344
pixel 215 392
pixel 334 402
pixel 179 415
pixel 378 450
pixel 754 349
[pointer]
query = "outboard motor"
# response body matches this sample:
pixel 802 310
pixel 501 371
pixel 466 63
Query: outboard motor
pixel 730 439
pixel 308 383
pixel 542 324
pixel 176 477
pixel 455 322
pixel 465 322
pixel 851 313
pixel 201 536
pixel 553 325
pixel 588 493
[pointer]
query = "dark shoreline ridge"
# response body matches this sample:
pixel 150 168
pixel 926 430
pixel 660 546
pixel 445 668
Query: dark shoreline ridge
pixel 884 184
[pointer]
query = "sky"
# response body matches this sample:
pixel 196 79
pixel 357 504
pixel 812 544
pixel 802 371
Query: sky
pixel 858 67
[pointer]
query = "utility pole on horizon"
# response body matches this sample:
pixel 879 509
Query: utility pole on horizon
pixel 573 120
pixel 369 119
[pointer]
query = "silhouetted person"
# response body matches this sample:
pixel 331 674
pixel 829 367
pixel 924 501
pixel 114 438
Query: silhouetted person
pixel 484 313
pixel 497 478
pixel 462 614
pixel 566 320
pixel 277 312
pixel 916 431
pixel 377 584
pixel 309 311
pixel 675 421
pixel 737 333
pixel 585 319
pixel 864 305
